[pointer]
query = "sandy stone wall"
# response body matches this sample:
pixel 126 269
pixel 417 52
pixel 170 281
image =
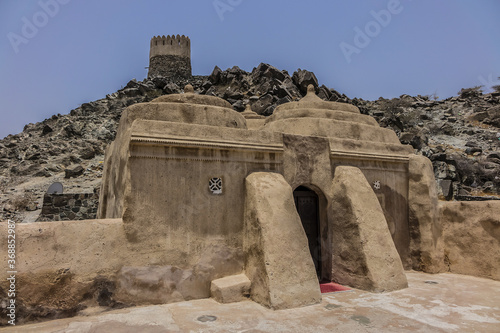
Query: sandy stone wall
pixel 471 232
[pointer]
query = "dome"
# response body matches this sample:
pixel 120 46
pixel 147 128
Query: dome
pixel 187 108
pixel 311 116
pixel 191 98
pixel 311 101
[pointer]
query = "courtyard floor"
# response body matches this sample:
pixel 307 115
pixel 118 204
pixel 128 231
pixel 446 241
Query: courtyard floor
pixel 432 303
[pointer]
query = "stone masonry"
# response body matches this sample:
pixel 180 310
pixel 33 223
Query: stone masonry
pixel 70 206
pixel 170 57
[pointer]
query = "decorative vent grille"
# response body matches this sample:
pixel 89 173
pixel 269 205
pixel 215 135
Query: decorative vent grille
pixel 215 185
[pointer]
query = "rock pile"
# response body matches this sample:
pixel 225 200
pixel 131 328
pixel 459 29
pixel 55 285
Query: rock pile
pixel 461 135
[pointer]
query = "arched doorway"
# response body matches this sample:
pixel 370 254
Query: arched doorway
pixel 307 204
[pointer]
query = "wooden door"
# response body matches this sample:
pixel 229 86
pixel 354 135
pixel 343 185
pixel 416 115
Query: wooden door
pixel 306 202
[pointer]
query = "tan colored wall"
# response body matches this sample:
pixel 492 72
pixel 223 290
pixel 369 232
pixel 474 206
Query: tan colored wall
pixel 116 182
pixel 471 232
pixel 61 265
pixel 169 207
pixel 392 175
pixel 307 163
pixel 363 253
pixel 65 266
pixel 333 128
pixel 89 247
pixel 426 244
pixel 170 45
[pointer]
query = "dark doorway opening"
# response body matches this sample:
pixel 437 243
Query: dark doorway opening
pixel 306 202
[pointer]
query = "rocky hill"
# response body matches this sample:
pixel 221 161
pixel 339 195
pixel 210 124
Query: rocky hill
pixel 461 135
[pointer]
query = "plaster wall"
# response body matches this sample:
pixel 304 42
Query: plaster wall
pixel 388 179
pixel 62 265
pixel 116 182
pixel 426 233
pixel 170 208
pixel 364 255
pixel 471 232
pixel 307 163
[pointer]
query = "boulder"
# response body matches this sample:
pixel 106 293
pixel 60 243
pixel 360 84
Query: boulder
pixel 215 77
pixel 46 129
pixel 262 103
pixel 446 189
pixel 87 153
pixel 73 173
pixel 415 139
pixel 72 130
pixel 302 78
pixel 131 92
pixel 233 74
pixel 493 116
pixel 239 106
pixel 132 84
pixel 266 71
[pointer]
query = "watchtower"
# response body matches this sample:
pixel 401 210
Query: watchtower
pixel 170 57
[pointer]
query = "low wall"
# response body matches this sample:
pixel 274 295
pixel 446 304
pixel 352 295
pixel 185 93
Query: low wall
pixel 62 265
pixel 471 232
pixel 70 206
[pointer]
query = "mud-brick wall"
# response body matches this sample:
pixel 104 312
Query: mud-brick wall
pixel 471 233
pixel 70 206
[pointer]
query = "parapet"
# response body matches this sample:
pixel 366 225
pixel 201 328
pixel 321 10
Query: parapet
pixel 170 45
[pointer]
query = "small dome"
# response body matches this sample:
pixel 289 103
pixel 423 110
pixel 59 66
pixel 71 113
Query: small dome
pixel 188 108
pixel 311 116
pixel 311 101
pixel 190 97
pixel 250 114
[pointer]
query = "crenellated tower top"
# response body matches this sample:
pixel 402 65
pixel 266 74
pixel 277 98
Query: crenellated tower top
pixel 170 57
pixel 170 45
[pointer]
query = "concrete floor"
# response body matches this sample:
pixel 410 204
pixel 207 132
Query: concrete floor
pixel 432 303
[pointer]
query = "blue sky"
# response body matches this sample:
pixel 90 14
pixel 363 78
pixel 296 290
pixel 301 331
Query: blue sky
pixel 81 50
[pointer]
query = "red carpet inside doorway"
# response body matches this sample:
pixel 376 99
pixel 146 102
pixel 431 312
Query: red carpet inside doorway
pixel 331 287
